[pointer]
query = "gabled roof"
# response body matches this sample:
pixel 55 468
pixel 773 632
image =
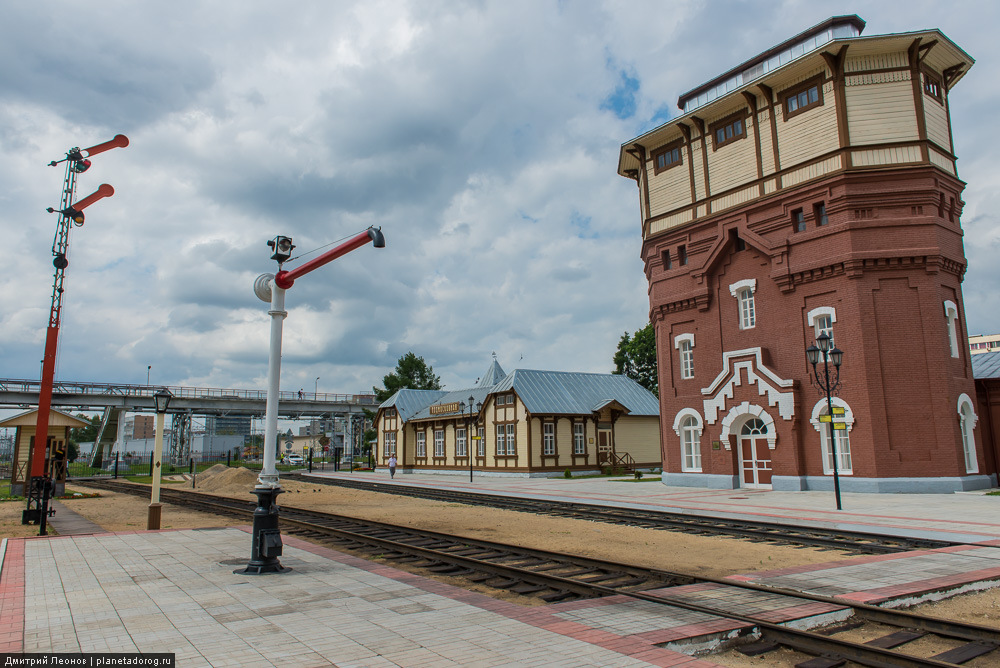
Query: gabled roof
pixel 407 402
pixel 985 365
pixel 571 393
pixel 56 419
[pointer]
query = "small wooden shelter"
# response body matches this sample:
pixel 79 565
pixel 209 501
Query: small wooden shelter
pixel 55 452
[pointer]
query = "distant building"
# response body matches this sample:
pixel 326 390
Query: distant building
pixel 530 423
pixel 229 425
pixel 139 426
pixel 984 343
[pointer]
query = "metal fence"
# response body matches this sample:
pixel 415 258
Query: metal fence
pixel 119 466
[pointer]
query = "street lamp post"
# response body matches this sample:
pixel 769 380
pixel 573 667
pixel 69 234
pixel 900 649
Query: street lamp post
pixel 149 367
pixel 473 419
pixel 836 355
pixel 161 399
pixel 316 390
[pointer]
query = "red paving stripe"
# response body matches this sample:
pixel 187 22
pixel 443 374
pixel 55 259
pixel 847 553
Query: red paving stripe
pixel 12 598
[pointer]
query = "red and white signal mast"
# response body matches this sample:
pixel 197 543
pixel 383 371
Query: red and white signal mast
pixel 41 463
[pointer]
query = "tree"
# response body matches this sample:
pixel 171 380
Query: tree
pixel 79 435
pixel 411 372
pixel 636 358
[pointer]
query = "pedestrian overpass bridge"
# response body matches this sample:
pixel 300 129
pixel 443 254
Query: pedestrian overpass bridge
pixel 113 399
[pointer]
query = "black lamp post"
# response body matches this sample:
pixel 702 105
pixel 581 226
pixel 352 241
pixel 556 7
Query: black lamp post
pixel 836 355
pixel 473 419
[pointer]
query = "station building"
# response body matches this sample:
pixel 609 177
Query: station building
pixel 525 423
pixel 813 190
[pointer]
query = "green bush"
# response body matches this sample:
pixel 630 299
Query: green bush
pixel 619 470
pixel 567 474
pixel 638 475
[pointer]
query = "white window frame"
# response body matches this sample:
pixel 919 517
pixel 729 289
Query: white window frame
pixel 390 444
pixel 689 426
pixel 439 442
pixel 845 463
pixel 511 438
pixel 421 444
pixel 967 420
pixel 548 438
pixel 684 343
pixel 951 316
pixel 501 440
pixel 815 319
pixel 579 438
pixel 743 291
pixel 481 446
pixel 460 442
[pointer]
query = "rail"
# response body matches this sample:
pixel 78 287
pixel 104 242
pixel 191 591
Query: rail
pixel 139 390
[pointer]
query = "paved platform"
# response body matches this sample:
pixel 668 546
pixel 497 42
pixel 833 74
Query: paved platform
pixel 961 517
pixel 175 591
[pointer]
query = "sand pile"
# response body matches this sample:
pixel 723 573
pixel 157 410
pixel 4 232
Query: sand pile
pixel 230 481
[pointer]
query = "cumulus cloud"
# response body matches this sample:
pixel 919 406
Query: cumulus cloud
pixel 482 137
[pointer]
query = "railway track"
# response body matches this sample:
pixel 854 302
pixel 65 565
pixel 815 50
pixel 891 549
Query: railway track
pixel 558 577
pixel 856 542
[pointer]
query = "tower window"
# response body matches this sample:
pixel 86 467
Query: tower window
pixel 798 221
pixel 819 213
pixel 803 97
pixel 667 157
pixel 728 130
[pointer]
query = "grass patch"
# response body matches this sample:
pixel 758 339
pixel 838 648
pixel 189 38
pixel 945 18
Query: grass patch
pixel 992 494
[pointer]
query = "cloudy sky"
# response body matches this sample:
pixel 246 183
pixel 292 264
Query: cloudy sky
pixel 482 137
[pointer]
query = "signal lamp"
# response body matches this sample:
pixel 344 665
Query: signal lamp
pixel 60 261
pixel 81 165
pixel 282 247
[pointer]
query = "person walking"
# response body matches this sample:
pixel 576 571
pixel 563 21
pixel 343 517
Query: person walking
pixel 392 466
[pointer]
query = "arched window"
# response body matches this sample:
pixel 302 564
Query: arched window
pixel 821 320
pixel 842 437
pixel 743 292
pixel 688 426
pixel 951 318
pixel 691 444
pixel 685 346
pixel 967 423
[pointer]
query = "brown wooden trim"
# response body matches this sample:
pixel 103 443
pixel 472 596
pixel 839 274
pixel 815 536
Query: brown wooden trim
pixel 836 64
pixel 878 70
pixel 768 94
pixel 928 75
pixel 820 158
pixel 913 53
pixel 752 103
pixel 816 82
pixel 686 131
pixel 645 176
pixel 700 125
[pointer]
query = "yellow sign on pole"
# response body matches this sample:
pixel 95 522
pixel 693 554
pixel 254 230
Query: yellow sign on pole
pixel 838 410
pixel 840 426
pixel 825 418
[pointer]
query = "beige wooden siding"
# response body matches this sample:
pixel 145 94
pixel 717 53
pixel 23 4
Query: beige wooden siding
pixel 733 164
pixel 668 222
pixel 699 170
pixel 885 156
pixel 879 61
pixel 936 120
pixel 880 112
pixel 812 171
pixel 809 134
pixel 942 161
pixel 770 186
pixel 735 198
pixel 640 437
pixel 670 189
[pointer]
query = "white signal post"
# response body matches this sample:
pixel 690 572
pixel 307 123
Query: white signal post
pixel 266 543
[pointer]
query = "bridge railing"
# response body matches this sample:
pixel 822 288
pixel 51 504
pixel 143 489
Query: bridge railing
pixel 124 389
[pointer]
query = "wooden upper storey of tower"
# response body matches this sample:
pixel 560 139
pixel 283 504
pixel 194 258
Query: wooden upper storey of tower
pixel 792 115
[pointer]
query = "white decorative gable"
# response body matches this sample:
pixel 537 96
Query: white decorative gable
pixel 740 364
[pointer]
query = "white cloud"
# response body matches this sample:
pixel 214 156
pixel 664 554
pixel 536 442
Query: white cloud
pixel 475 134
